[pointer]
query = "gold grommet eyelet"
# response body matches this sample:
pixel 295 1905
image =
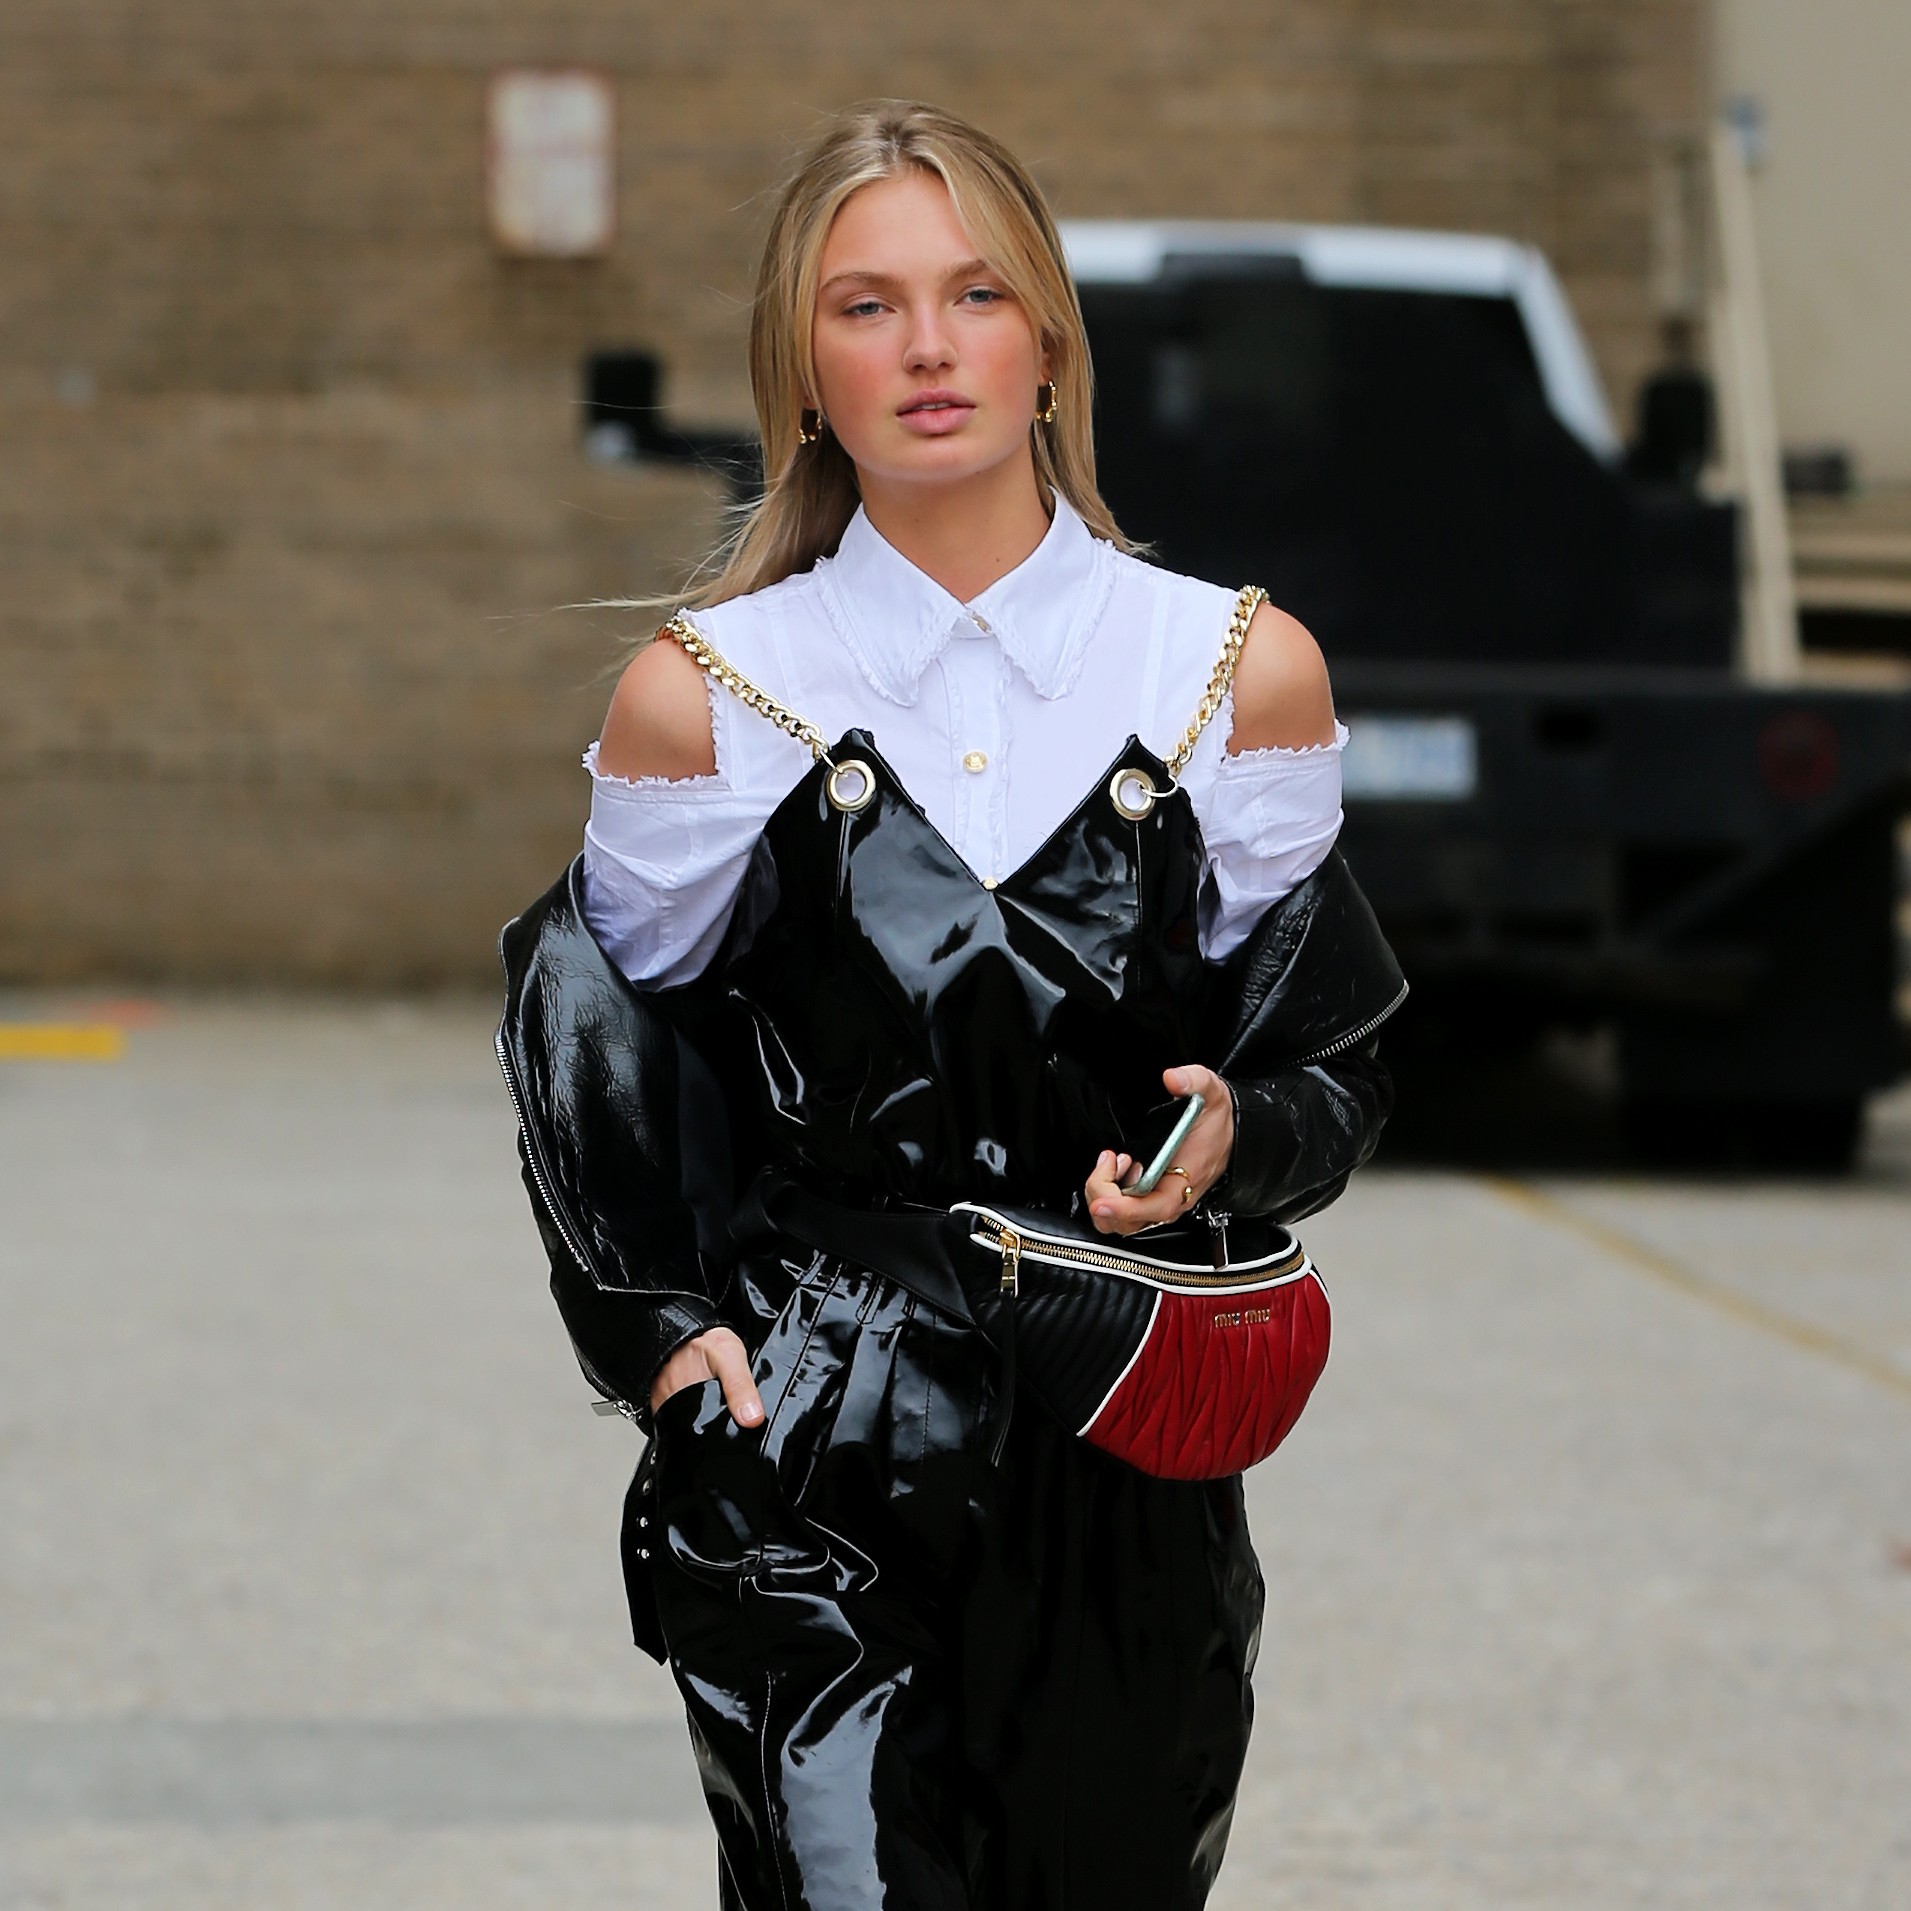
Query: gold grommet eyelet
pixel 850 785
pixel 1133 793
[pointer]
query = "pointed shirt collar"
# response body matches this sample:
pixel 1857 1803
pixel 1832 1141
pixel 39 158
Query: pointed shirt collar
pixel 896 619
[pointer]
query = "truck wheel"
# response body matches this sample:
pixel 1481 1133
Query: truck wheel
pixel 1792 1135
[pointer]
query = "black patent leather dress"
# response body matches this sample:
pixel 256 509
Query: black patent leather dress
pixel 914 1678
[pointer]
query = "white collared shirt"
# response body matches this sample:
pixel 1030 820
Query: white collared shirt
pixel 998 716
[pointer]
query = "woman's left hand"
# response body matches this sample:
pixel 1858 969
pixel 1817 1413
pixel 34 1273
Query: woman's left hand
pixel 1203 1157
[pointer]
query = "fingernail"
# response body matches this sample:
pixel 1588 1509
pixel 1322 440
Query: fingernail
pixel 1102 1208
pixel 750 1412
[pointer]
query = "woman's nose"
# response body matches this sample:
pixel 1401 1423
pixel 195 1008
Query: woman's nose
pixel 929 343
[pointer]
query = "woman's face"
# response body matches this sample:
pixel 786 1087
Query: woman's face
pixel 926 365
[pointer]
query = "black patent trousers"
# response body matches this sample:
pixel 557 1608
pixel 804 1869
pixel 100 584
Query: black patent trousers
pixel 916 1680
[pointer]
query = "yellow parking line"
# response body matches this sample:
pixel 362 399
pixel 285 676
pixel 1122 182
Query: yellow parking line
pixel 61 1042
pixel 1675 1274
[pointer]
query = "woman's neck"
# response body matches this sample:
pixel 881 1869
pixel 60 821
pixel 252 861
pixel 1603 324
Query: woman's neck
pixel 964 534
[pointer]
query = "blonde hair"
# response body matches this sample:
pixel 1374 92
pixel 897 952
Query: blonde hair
pixel 810 491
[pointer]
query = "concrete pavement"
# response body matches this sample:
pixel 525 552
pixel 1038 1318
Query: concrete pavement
pixel 1589 1567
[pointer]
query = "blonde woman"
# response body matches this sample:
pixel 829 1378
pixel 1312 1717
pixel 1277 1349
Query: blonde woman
pixel 936 848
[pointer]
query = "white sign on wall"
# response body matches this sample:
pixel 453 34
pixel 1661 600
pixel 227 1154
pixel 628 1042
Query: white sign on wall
pixel 551 162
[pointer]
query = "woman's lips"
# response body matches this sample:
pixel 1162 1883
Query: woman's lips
pixel 935 413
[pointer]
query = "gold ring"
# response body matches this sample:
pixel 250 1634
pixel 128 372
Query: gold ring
pixel 850 785
pixel 1187 1185
pixel 1132 792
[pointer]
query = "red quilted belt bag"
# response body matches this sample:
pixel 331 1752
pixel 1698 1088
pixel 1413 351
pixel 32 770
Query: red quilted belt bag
pixel 1173 1350
pixel 1163 1348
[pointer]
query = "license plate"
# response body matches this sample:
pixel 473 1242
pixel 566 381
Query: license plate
pixel 1415 759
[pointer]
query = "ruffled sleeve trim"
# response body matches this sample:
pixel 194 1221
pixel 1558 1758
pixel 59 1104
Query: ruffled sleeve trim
pixel 1270 757
pixel 653 789
pixel 671 789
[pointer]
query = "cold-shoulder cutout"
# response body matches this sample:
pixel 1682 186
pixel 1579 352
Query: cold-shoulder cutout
pixel 989 715
pixel 1282 699
pixel 659 722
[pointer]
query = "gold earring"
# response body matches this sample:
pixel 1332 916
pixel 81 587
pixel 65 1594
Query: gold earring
pixel 1045 410
pixel 809 426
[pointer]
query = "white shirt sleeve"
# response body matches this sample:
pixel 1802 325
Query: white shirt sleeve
pixel 663 860
pixel 1269 818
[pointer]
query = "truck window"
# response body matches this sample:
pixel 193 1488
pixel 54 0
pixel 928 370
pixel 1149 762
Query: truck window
pixel 1384 461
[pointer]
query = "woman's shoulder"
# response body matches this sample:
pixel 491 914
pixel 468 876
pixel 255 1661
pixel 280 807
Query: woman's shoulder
pixel 1281 695
pixel 658 725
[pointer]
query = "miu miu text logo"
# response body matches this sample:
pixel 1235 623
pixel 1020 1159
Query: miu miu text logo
pixel 1244 1317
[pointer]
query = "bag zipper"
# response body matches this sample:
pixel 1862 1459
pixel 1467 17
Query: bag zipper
pixel 1010 1245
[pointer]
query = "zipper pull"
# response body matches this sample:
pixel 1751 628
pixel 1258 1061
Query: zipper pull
pixel 1217 1220
pixel 612 1409
pixel 1011 1263
pixel 1011 1245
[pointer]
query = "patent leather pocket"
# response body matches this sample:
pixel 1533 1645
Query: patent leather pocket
pixel 709 1483
pixel 678 1418
pixel 720 1509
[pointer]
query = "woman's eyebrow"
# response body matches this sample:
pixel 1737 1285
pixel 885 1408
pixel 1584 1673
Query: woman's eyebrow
pixel 858 278
pixel 967 269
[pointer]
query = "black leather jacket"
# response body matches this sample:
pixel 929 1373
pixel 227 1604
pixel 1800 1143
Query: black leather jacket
pixel 626 1140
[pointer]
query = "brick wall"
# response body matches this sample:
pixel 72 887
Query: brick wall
pixel 292 481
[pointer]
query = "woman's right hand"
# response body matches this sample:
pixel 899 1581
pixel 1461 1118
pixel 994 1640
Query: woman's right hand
pixel 716 1355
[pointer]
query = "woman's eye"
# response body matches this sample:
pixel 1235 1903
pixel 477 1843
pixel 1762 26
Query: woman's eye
pixel 863 308
pixel 983 294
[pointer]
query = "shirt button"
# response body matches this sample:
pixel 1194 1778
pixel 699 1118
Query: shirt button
pixel 975 761
pixel 982 624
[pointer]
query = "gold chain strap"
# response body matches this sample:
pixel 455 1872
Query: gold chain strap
pixel 739 686
pixel 1250 600
pixel 706 657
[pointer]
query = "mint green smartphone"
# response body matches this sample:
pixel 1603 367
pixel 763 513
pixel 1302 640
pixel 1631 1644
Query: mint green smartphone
pixel 1151 1178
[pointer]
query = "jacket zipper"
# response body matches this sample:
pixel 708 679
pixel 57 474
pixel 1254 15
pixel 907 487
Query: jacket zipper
pixel 551 1208
pixel 611 1402
pixel 1353 1038
pixel 1010 1245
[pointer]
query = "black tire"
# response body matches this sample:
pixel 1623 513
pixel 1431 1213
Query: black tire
pixel 1788 1136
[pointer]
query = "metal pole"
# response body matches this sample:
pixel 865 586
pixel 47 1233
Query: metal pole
pixel 1748 417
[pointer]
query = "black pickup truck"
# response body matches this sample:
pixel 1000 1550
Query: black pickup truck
pixel 1569 804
